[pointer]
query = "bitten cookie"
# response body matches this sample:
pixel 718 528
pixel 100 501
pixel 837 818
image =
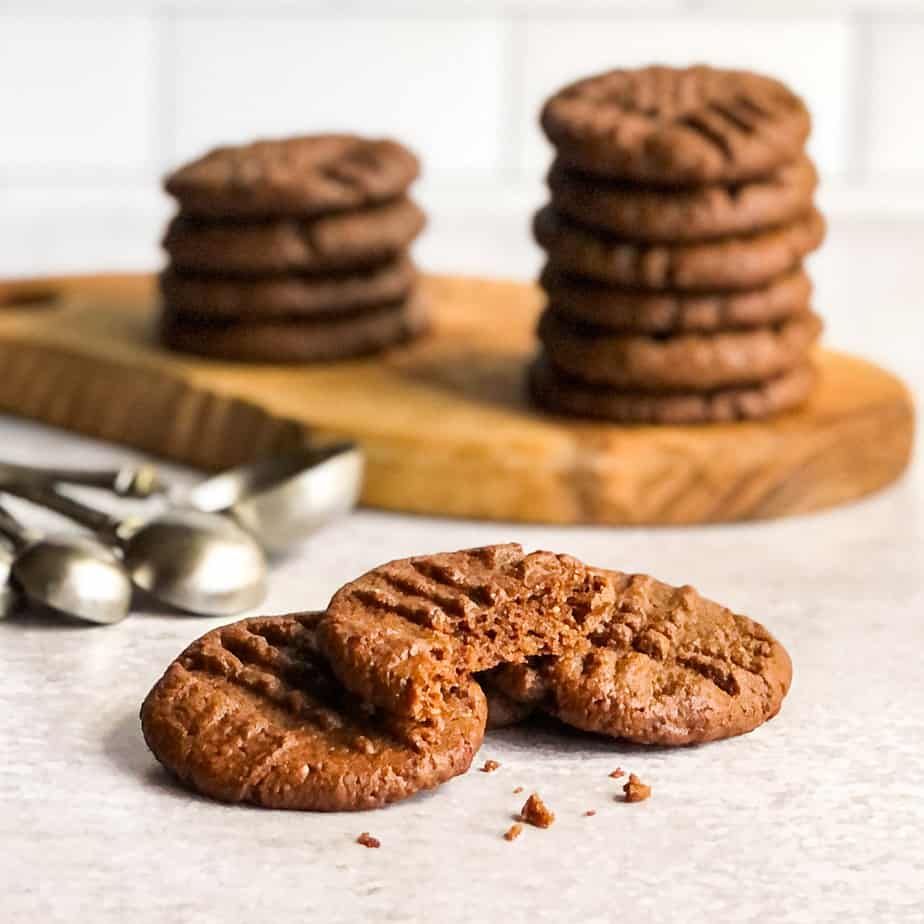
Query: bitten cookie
pixel 293 176
pixel 291 297
pixel 667 312
pixel 251 713
pixel 728 263
pixel 557 392
pixel 667 125
pixel 668 667
pixel 409 632
pixel 331 242
pixel 294 341
pixel 646 213
pixel 688 361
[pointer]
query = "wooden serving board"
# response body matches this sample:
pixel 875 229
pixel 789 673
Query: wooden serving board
pixel 444 422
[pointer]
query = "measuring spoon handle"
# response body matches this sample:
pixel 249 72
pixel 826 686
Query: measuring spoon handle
pixel 13 530
pixel 129 481
pixel 47 496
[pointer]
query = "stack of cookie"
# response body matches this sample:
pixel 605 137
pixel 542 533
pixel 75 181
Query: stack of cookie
pixel 681 211
pixel 377 697
pixel 292 251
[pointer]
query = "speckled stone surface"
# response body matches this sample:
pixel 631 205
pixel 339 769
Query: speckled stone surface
pixel 815 817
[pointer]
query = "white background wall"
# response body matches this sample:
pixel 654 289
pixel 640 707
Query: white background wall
pixel 99 99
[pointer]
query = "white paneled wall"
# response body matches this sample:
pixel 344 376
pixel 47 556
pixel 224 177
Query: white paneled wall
pixel 99 97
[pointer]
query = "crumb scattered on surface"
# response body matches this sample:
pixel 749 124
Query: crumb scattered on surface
pixel 513 832
pixel 367 840
pixel 536 812
pixel 617 773
pixel 590 812
pixel 518 790
pixel 489 766
pixel 636 790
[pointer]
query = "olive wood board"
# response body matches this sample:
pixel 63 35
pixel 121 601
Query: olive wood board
pixel 444 422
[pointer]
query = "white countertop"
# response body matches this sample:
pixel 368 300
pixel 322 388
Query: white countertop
pixel 816 816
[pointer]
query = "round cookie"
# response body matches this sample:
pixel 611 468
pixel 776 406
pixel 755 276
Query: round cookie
pixel 291 297
pixel 335 241
pixel 669 667
pixel 502 710
pixel 293 176
pixel 698 362
pixel 743 262
pixel 294 341
pixel 251 713
pixel 405 633
pixel 677 126
pixel 640 311
pixel 646 213
pixel 560 394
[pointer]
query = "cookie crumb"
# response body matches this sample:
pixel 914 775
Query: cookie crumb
pixel 636 790
pixel 518 790
pixel 367 840
pixel 536 812
pixel 617 773
pixel 590 812
pixel 513 832
pixel 489 766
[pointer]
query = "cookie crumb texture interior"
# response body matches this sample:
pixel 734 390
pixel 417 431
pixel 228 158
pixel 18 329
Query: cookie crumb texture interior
pixel 254 712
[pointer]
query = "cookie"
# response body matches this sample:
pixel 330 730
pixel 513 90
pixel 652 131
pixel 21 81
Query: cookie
pixel 677 125
pixel 251 713
pixel 502 710
pixel 561 394
pixel 261 298
pixel 658 312
pixel 645 312
pixel 683 362
pixel 294 341
pixel 407 633
pixel 646 213
pixel 742 262
pixel 293 176
pixel 336 241
pixel 668 667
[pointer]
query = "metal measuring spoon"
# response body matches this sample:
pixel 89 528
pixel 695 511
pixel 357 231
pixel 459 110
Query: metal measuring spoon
pixel 7 591
pixel 73 575
pixel 199 562
pixel 280 499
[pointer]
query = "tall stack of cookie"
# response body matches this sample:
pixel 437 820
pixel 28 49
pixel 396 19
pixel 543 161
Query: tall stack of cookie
pixel 681 211
pixel 293 250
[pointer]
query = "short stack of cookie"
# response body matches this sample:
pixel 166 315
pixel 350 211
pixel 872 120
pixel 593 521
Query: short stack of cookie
pixel 681 211
pixel 293 250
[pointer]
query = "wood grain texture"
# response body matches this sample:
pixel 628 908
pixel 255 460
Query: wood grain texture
pixel 444 422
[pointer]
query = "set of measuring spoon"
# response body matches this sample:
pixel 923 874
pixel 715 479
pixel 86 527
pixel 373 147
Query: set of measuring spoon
pixel 205 552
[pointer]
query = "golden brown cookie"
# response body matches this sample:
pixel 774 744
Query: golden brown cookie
pixel 559 393
pixel 331 242
pixel 667 667
pixel 265 297
pixel 251 713
pixel 293 176
pixel 502 710
pixel 407 632
pixel 285 340
pixel 677 125
pixel 696 213
pixel 742 262
pixel 697 362
pixel 646 312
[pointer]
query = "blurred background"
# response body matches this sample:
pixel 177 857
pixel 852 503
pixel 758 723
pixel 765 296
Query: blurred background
pixel 99 99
